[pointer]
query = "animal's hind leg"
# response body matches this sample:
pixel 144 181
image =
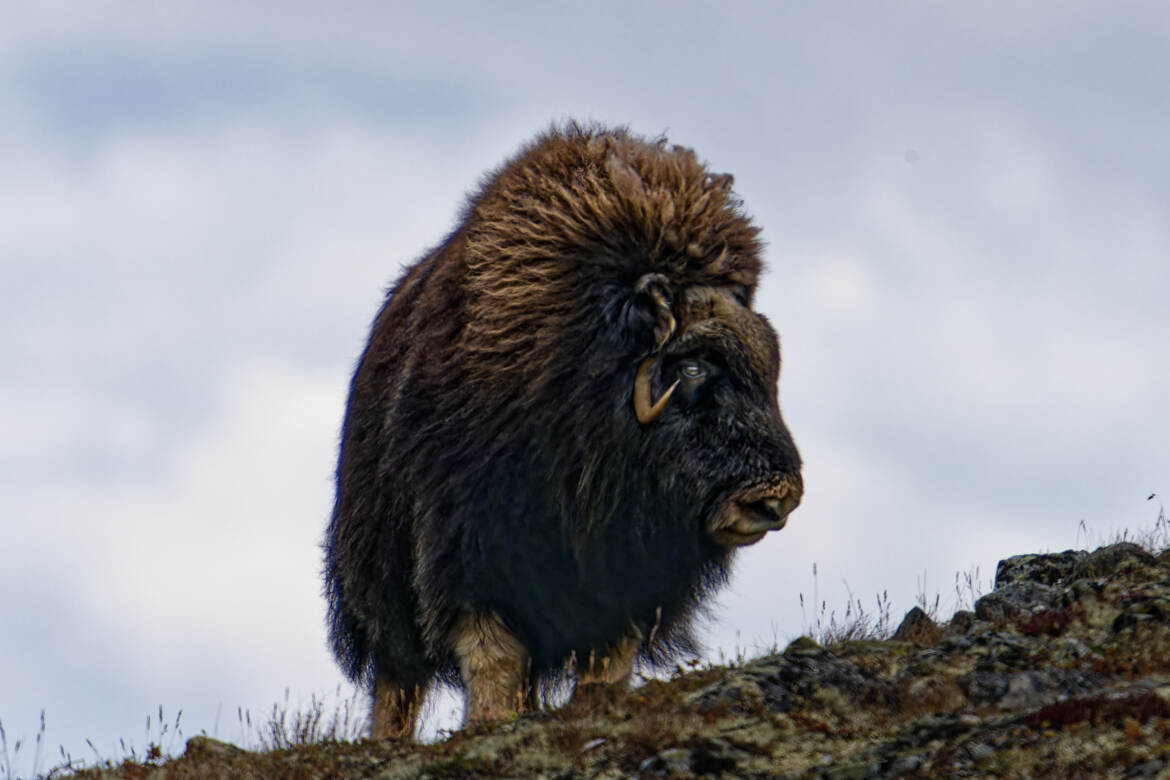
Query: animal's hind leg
pixel 395 710
pixel 494 666
pixel 601 678
pixel 614 668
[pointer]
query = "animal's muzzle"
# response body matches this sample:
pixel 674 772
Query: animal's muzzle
pixel 751 513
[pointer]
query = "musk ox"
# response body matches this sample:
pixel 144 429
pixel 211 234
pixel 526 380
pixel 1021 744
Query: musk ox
pixel 563 425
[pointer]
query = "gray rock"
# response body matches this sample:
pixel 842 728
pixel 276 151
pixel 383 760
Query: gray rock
pixel 1145 769
pixel 981 752
pixel 962 620
pixel 804 676
pixel 674 761
pixel 205 747
pixel 1118 560
pixel 914 625
pixel 905 764
pixel 984 687
pixel 1016 598
pixel 803 646
pixel 1052 569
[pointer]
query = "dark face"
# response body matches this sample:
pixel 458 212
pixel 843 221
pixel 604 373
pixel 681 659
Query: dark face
pixel 721 426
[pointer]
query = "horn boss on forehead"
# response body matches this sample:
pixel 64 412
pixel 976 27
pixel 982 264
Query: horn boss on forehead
pixel 562 426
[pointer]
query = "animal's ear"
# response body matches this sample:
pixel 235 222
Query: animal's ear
pixel 647 316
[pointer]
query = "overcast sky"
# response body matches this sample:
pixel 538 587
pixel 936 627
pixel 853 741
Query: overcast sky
pixel 967 210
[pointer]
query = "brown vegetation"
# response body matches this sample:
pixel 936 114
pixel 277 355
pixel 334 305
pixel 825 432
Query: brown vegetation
pixel 1062 670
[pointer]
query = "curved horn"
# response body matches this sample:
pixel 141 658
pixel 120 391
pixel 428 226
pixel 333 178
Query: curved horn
pixel 646 410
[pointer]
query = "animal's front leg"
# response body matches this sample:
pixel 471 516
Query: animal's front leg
pixel 494 665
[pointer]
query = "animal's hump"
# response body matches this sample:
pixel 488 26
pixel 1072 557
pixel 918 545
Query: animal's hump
pixel 585 193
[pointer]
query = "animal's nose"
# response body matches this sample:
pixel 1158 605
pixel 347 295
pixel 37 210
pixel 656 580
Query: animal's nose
pixel 769 514
pixel 745 522
pixel 776 508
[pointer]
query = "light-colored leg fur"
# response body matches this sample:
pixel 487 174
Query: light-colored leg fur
pixel 614 668
pixel 395 710
pixel 494 665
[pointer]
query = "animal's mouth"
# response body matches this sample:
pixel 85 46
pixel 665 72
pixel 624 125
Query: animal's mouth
pixel 751 513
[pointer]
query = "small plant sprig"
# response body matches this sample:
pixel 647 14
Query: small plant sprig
pixel 1152 540
pixel 287 727
pixel 969 588
pixel 855 624
pixel 9 760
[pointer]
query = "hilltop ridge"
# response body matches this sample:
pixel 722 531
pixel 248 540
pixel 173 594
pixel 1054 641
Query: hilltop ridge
pixel 1062 670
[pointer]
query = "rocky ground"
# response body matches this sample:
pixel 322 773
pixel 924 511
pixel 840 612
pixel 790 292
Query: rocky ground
pixel 1062 671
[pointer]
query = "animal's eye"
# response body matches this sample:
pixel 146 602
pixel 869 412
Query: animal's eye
pixel 692 370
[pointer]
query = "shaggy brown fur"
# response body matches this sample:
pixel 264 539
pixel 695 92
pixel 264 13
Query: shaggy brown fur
pixel 501 510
